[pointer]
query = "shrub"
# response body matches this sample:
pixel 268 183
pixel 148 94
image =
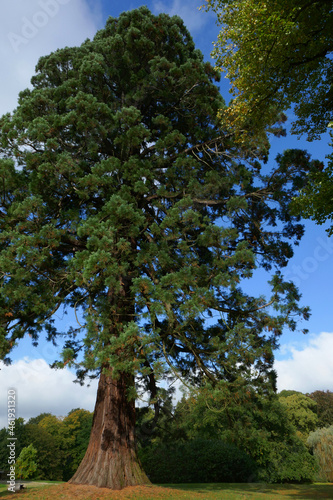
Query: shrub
pixel 197 461
pixel 290 462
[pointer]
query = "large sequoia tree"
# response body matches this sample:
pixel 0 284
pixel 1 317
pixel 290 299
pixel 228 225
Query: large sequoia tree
pixel 122 198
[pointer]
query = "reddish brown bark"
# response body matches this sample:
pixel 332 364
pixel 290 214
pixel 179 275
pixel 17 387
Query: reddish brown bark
pixel 110 460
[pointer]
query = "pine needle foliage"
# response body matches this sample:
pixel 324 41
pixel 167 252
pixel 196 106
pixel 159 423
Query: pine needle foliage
pixel 123 199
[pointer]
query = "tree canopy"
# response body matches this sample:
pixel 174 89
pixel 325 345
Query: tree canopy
pixel 26 465
pixel 276 54
pixel 324 402
pixel 301 412
pixel 122 198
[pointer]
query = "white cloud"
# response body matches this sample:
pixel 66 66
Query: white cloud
pixel 29 30
pixel 309 368
pixel 41 389
pixel 186 9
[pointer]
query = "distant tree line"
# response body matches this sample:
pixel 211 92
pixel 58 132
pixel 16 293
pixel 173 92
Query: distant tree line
pixel 208 436
pixel 60 443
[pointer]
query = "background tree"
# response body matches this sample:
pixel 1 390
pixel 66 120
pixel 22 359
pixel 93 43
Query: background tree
pixel 321 444
pixel 60 442
pixel 76 431
pixel 51 456
pixel 302 413
pixel 20 442
pixel 288 392
pixel 41 416
pixel 26 464
pixel 324 408
pixel 122 198
pixel 277 54
pixel 255 423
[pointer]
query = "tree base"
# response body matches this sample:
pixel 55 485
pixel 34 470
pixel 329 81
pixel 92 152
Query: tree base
pixel 114 474
pixel 110 460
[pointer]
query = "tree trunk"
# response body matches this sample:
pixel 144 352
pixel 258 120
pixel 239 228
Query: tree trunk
pixel 110 460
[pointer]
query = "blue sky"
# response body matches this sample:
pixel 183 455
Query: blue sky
pixel 35 28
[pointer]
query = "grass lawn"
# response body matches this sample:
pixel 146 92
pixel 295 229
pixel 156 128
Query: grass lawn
pixel 255 491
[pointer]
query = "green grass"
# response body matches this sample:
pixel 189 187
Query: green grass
pixel 256 491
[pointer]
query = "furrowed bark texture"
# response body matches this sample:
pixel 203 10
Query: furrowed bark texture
pixel 110 460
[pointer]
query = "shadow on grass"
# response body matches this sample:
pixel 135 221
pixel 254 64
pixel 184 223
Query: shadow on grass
pixel 262 490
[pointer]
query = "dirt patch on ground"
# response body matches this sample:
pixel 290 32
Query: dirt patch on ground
pixel 85 492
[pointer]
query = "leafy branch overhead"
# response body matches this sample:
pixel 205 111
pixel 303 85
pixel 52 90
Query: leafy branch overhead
pixel 276 54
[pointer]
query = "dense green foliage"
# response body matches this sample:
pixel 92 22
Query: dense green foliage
pixel 20 442
pixel 77 426
pixel 302 413
pixel 26 464
pixel 324 407
pixel 278 54
pixel 59 443
pixel 259 425
pixel 198 461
